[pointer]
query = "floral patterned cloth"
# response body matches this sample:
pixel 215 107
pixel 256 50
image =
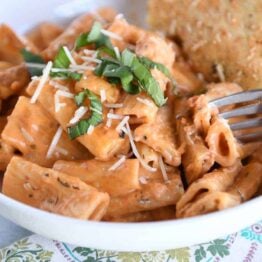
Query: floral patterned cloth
pixel 245 246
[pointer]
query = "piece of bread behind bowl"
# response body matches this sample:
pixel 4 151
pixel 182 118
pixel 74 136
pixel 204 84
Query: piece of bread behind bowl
pixel 217 35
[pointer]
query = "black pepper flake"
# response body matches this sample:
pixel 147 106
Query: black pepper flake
pixel 76 187
pixel 65 184
pixel 122 134
pixel 46 174
pixel 30 196
pixel 145 137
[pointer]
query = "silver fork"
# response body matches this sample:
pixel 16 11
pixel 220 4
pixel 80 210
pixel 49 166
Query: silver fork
pixel 254 109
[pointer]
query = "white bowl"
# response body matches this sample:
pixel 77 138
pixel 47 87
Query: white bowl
pixel 22 15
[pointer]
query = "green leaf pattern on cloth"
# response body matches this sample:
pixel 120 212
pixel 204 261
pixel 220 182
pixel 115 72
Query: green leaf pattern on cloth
pixel 245 245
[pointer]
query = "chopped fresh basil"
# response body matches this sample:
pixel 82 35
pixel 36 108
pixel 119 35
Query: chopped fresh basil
pixel 94 37
pixel 29 57
pixel 96 117
pixel 62 61
pixel 147 82
pixel 151 65
pixel 132 74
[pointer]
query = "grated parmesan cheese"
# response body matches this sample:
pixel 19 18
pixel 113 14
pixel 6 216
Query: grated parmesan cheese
pixel 58 94
pixel 122 123
pixel 117 164
pixel 114 116
pixel 91 59
pixel 142 180
pixel 103 95
pixel 69 55
pixel 134 149
pixel 58 85
pixel 79 113
pixel 162 168
pixel 220 72
pixel 82 67
pixel 44 78
pixel 89 52
pixel 54 142
pixel 26 135
pixel 117 52
pixel 62 151
pixel 90 130
pixel 111 35
pixel 109 120
pixel 113 105
pixel 145 101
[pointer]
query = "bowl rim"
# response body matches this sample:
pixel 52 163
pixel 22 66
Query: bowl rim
pixel 176 231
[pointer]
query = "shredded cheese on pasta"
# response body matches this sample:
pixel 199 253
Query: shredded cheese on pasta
pixel 26 135
pixel 111 35
pixel 43 80
pixel 162 168
pixel 122 123
pixel 79 113
pixel 69 55
pixel 114 105
pixel 127 131
pixel 54 142
pixel 144 101
pixel 117 164
pixel 103 95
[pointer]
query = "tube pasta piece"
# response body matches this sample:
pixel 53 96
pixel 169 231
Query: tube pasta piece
pixel 43 34
pixel 6 153
pixel 215 91
pixel 209 202
pixel 118 182
pixel 186 81
pixel 251 150
pixel 202 113
pixel 248 182
pixel 103 142
pixel 139 112
pixel 149 155
pixel 146 177
pixel 162 213
pixel 150 196
pixel 13 80
pixel 53 191
pixel 222 143
pixel 129 33
pixel 97 84
pixel 197 159
pixel 80 25
pixel 216 181
pixel 156 49
pixel 30 129
pixel 10 45
pixel 161 136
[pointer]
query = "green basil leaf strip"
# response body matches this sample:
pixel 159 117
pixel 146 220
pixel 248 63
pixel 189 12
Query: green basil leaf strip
pixel 124 74
pixel 148 82
pixel 96 117
pixel 62 61
pixel 151 65
pixel 29 57
pixel 94 37
pixel 127 57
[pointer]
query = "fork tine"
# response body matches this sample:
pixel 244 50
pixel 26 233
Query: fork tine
pixel 250 137
pixel 255 122
pixel 243 111
pixel 238 98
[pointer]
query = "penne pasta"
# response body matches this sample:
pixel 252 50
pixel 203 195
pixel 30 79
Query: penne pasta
pixel 30 130
pixel 120 181
pixel 53 191
pixel 162 139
